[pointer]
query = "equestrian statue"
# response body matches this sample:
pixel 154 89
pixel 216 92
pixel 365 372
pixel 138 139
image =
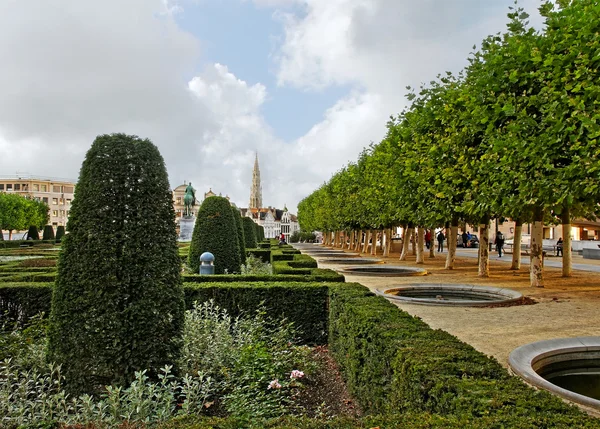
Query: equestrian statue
pixel 189 201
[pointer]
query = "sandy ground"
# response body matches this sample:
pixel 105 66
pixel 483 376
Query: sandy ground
pixel 566 307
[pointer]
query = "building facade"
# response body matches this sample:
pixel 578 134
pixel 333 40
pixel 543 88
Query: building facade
pixel 57 193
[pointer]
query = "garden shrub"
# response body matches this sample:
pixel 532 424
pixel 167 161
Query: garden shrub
pixel 33 233
pixel 256 266
pixel 21 301
pixel 117 306
pixel 263 254
pixel 215 232
pixel 395 363
pixel 304 304
pixel 249 233
pixel 60 232
pixel 264 245
pixel 237 217
pixel 48 233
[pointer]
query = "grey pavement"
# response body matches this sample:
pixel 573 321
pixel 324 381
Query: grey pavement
pixel 555 262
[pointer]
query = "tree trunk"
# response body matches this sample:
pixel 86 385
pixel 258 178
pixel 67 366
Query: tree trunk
pixel 567 256
pixel 406 242
pixel 10 234
pixel 537 262
pixel 366 244
pixel 484 248
pixel 374 242
pixel 358 241
pixel 413 242
pixel 384 242
pixel 388 243
pixel 420 245
pixel 516 256
pixel 451 237
pixel 432 244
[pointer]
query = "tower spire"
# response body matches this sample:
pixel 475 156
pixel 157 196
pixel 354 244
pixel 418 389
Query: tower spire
pixel 256 189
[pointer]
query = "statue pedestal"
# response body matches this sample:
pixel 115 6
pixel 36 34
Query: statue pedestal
pixel 186 227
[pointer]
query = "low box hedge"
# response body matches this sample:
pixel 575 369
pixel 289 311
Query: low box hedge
pixel 262 254
pixel 395 363
pixel 316 275
pixel 305 304
pixel 279 256
pixel 21 301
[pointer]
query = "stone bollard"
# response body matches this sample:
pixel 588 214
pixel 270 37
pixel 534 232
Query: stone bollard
pixel 207 260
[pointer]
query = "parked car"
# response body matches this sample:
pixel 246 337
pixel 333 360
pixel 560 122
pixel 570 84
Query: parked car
pixel 473 242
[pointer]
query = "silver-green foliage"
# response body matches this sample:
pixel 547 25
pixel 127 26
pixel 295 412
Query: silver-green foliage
pixel 256 266
pixel 227 359
pixel 31 396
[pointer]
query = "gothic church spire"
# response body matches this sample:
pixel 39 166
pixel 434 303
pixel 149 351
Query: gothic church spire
pixel 256 190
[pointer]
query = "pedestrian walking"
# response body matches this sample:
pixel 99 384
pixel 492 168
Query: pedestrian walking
pixel 465 239
pixel 440 239
pixel 559 247
pixel 499 242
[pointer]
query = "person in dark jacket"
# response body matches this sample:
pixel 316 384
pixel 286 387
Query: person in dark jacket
pixel 465 239
pixel 499 242
pixel 440 239
pixel 559 247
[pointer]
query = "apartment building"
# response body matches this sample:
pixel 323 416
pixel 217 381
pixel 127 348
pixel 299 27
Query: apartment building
pixel 56 192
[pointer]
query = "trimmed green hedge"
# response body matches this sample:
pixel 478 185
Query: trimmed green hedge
pixel 21 301
pixel 249 232
pixel 406 420
pixel 215 232
pixel 317 275
pixel 305 304
pixel 48 233
pixel 395 363
pixel 264 245
pixel 263 254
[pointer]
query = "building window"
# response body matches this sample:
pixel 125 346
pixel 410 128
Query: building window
pixel 61 201
pixel 55 224
pixel 36 187
pixel 44 188
pixel 55 201
pixel 62 212
pixel 54 213
pixel 9 186
pixel 178 200
pixel 1 186
pixel 17 187
pixel 45 199
pixel 25 187
pixel 68 189
pixel 68 201
pixel 56 189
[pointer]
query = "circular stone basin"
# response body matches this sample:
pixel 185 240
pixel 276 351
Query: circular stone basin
pixel 384 271
pixel 321 250
pixel 568 367
pixel 351 261
pixel 451 295
pixel 336 254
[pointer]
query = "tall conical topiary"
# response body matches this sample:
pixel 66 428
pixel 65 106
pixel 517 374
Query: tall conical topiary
pixel 48 233
pixel 237 217
pixel 32 233
pixel 215 232
pixel 60 232
pixel 118 304
pixel 249 233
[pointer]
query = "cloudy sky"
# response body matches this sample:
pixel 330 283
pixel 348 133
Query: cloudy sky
pixel 305 83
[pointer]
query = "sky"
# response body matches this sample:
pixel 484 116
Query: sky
pixel 305 84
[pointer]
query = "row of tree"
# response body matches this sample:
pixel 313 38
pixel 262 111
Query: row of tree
pixel 514 135
pixel 18 213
